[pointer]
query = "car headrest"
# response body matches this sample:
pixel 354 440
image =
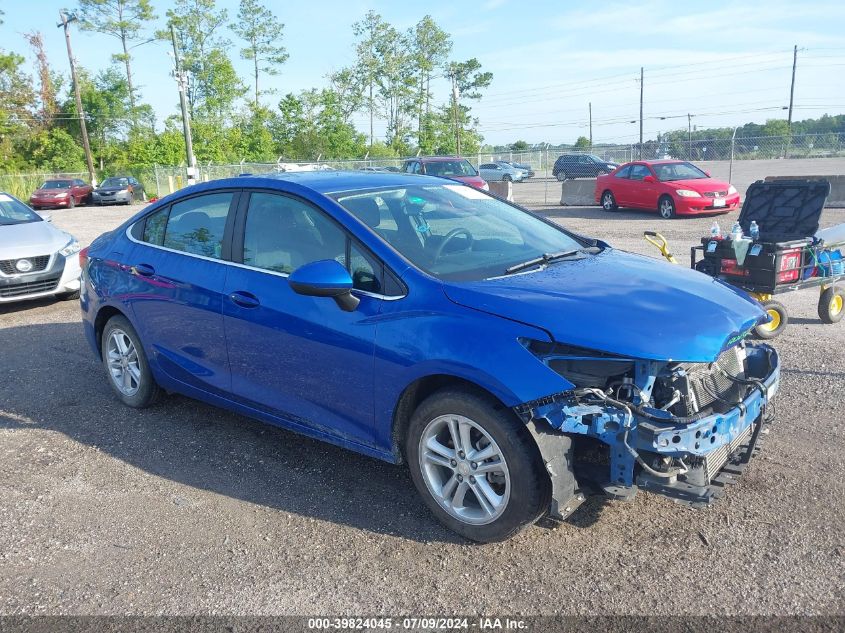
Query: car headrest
pixel 194 220
pixel 365 209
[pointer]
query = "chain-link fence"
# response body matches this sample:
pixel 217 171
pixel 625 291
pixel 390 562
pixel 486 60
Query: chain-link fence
pixel 540 189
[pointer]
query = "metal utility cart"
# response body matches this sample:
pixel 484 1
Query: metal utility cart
pixel 785 257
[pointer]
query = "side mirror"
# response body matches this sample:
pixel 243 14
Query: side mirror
pixel 649 178
pixel 325 278
pixel 708 173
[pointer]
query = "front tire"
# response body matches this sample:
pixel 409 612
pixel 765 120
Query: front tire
pixel 608 201
pixel 476 466
pixel 507 178
pixel 666 208
pixel 561 176
pixel 71 203
pixel 777 324
pixel 126 364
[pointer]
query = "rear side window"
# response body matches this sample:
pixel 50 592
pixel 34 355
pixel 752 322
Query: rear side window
pixel 196 225
pixel 193 226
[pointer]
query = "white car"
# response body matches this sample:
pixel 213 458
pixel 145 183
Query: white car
pixel 36 259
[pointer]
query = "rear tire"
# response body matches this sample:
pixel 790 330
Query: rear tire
pixel 779 321
pixel 832 305
pixel 608 201
pixel 561 176
pixel 666 208
pixel 126 364
pixel 513 490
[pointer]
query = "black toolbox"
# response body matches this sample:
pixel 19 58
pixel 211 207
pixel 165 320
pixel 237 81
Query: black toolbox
pixel 787 214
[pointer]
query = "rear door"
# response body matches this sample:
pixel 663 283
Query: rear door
pixel 178 272
pixel 300 358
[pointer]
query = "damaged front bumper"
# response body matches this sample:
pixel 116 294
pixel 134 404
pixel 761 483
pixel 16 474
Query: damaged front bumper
pixel 689 460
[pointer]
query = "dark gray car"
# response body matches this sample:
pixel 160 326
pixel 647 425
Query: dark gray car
pixel 119 190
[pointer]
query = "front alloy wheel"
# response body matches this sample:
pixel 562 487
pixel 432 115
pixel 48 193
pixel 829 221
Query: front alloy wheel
pixel 666 207
pixel 608 202
pixel 464 469
pixel 476 465
pixel 126 364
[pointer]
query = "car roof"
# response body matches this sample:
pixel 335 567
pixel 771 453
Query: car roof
pixel 662 161
pixel 326 182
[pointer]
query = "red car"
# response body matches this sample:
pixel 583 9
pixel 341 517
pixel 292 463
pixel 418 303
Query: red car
pixel 671 187
pixel 61 192
pixel 453 167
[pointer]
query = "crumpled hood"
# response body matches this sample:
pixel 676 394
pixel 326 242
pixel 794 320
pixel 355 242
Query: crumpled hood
pixel 618 302
pixel 31 239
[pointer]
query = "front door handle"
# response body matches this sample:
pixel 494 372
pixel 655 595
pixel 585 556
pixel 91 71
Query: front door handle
pixel 244 299
pixel 145 270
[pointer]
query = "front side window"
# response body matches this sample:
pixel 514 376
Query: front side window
pixel 454 231
pixel 624 172
pixel 638 172
pixel 195 225
pixel 281 234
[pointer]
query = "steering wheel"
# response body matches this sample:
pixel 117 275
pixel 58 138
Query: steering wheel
pixel 449 237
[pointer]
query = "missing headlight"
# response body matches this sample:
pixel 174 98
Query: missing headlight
pixel 583 367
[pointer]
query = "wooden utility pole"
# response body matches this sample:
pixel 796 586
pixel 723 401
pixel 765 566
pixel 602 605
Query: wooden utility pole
pixel 65 20
pixel 182 81
pixel 590 106
pixel 641 112
pixel 792 86
pixel 689 136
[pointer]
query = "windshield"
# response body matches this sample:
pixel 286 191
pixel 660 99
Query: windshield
pixel 450 168
pixel 596 158
pixel 456 232
pixel 678 171
pixel 115 182
pixel 56 184
pixel 13 211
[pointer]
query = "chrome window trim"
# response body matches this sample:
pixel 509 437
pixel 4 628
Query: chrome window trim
pixel 227 262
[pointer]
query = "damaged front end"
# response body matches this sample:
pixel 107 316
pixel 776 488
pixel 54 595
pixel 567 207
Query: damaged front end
pixel 683 430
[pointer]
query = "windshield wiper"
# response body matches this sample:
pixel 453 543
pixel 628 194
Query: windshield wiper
pixel 545 258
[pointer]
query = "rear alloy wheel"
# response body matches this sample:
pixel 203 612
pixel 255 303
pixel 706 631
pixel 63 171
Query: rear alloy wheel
pixel 832 305
pixel 475 465
pixel 608 202
pixel 126 364
pixel 666 208
pixel 778 319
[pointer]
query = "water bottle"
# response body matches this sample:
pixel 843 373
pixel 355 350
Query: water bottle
pixel 754 230
pixel 736 231
pixel 715 231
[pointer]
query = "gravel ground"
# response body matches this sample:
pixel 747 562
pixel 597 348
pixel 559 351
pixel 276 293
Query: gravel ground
pixel 186 509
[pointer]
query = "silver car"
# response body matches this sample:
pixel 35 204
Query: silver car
pixel 36 259
pixel 500 170
pixel 119 190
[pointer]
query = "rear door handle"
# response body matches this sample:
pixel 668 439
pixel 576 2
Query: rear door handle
pixel 145 270
pixel 244 299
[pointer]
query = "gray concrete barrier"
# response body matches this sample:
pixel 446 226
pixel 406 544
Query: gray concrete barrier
pixel 578 193
pixel 502 188
pixel 836 199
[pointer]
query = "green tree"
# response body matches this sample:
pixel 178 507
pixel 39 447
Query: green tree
pixel 519 146
pixel 370 33
pixel 312 125
pixel 213 85
pixel 430 48
pixel 123 19
pixel 467 83
pixel 17 106
pixel 263 34
pixel 582 144
pixel 54 151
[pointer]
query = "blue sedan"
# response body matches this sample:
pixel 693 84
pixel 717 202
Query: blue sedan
pixel 514 366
